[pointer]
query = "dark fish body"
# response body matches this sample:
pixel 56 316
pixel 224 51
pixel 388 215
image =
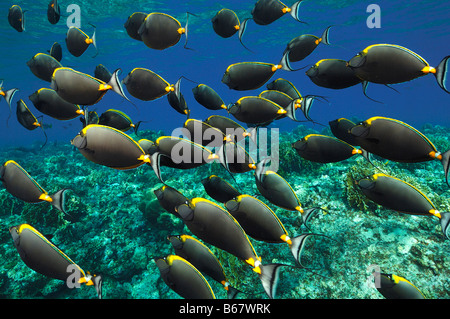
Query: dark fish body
pixel 324 149
pixel 56 51
pixel 116 119
pixel 395 287
pixel 219 189
pixel 146 85
pixel 16 18
pixel 255 110
pixel 178 102
pixel 244 76
pixel 102 73
pixel 257 219
pixel 278 97
pixel 267 11
pixel 160 31
pixel 228 127
pixel 225 23
pixel 333 74
pixel 208 98
pixel 234 158
pixel 133 24
pixel 183 278
pixel 286 87
pixel 25 117
pixel 78 42
pixel 43 65
pixel 48 102
pixel 169 198
pixel 109 147
pixel 148 146
pixel 341 129
pixel 203 133
pixel 53 12
pixel 302 46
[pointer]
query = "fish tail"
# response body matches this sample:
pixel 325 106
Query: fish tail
pixel 442 72
pixel 445 223
pixel 58 200
pixel 96 281
pixel 115 84
pixel 269 278
pixel 445 160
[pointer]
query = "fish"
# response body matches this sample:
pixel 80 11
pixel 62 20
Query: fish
pixel 43 65
pixel 333 74
pixel 398 195
pixel 255 110
pixel 234 158
pixel 219 189
pixel 286 87
pixel 109 147
pixel 102 73
pixel 243 76
pixel 278 97
pixel 324 149
pixel 275 188
pixel 208 98
pixel 265 12
pixel 27 119
pixel 78 42
pixel 133 24
pixel 8 95
pixel 302 46
pixel 56 51
pixel 53 12
pixel 148 146
pixel 160 31
pixel 118 120
pixel 304 104
pixel 395 287
pixel 146 85
pixel 199 255
pixel 16 18
pixel 391 64
pixel 21 185
pixel 228 127
pixel 183 278
pixel 82 89
pixel 226 23
pixel 170 198
pixel 178 102
pixel 409 145
pixel 44 257
pixel 215 225
pixel 341 129
pixel 204 134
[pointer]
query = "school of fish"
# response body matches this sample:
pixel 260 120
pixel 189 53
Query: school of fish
pixel 233 219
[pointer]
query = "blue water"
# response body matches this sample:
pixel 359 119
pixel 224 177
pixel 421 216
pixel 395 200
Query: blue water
pixel 421 26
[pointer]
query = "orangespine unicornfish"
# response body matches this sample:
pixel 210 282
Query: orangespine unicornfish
pixel 278 97
pixel 215 226
pixel 53 12
pixel 16 18
pixel 27 119
pixel 146 85
pixel 148 146
pixel 324 149
pixel 267 11
pixel 219 189
pixel 304 104
pixel 160 31
pixel 90 117
pixel 102 73
pixel 300 47
pixel 109 147
pixel 284 86
pixel 43 65
pixel 275 188
pixel 203 133
pixel 390 64
pixel 333 74
pixel 21 185
pixel 133 24
pixel 56 51
pixel 202 258
pixel 341 129
pixel 396 194
pixel 119 120
pixel 183 278
pixel 234 158
pixel 208 98
pixel 169 198
pixel 255 110
pixel 44 257
pixel 8 95
pixel 230 128
pixel 245 76
pixel 226 23
pixel 78 42
pixel 395 287
pixel 178 102
pixel 409 145
pixel 80 88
